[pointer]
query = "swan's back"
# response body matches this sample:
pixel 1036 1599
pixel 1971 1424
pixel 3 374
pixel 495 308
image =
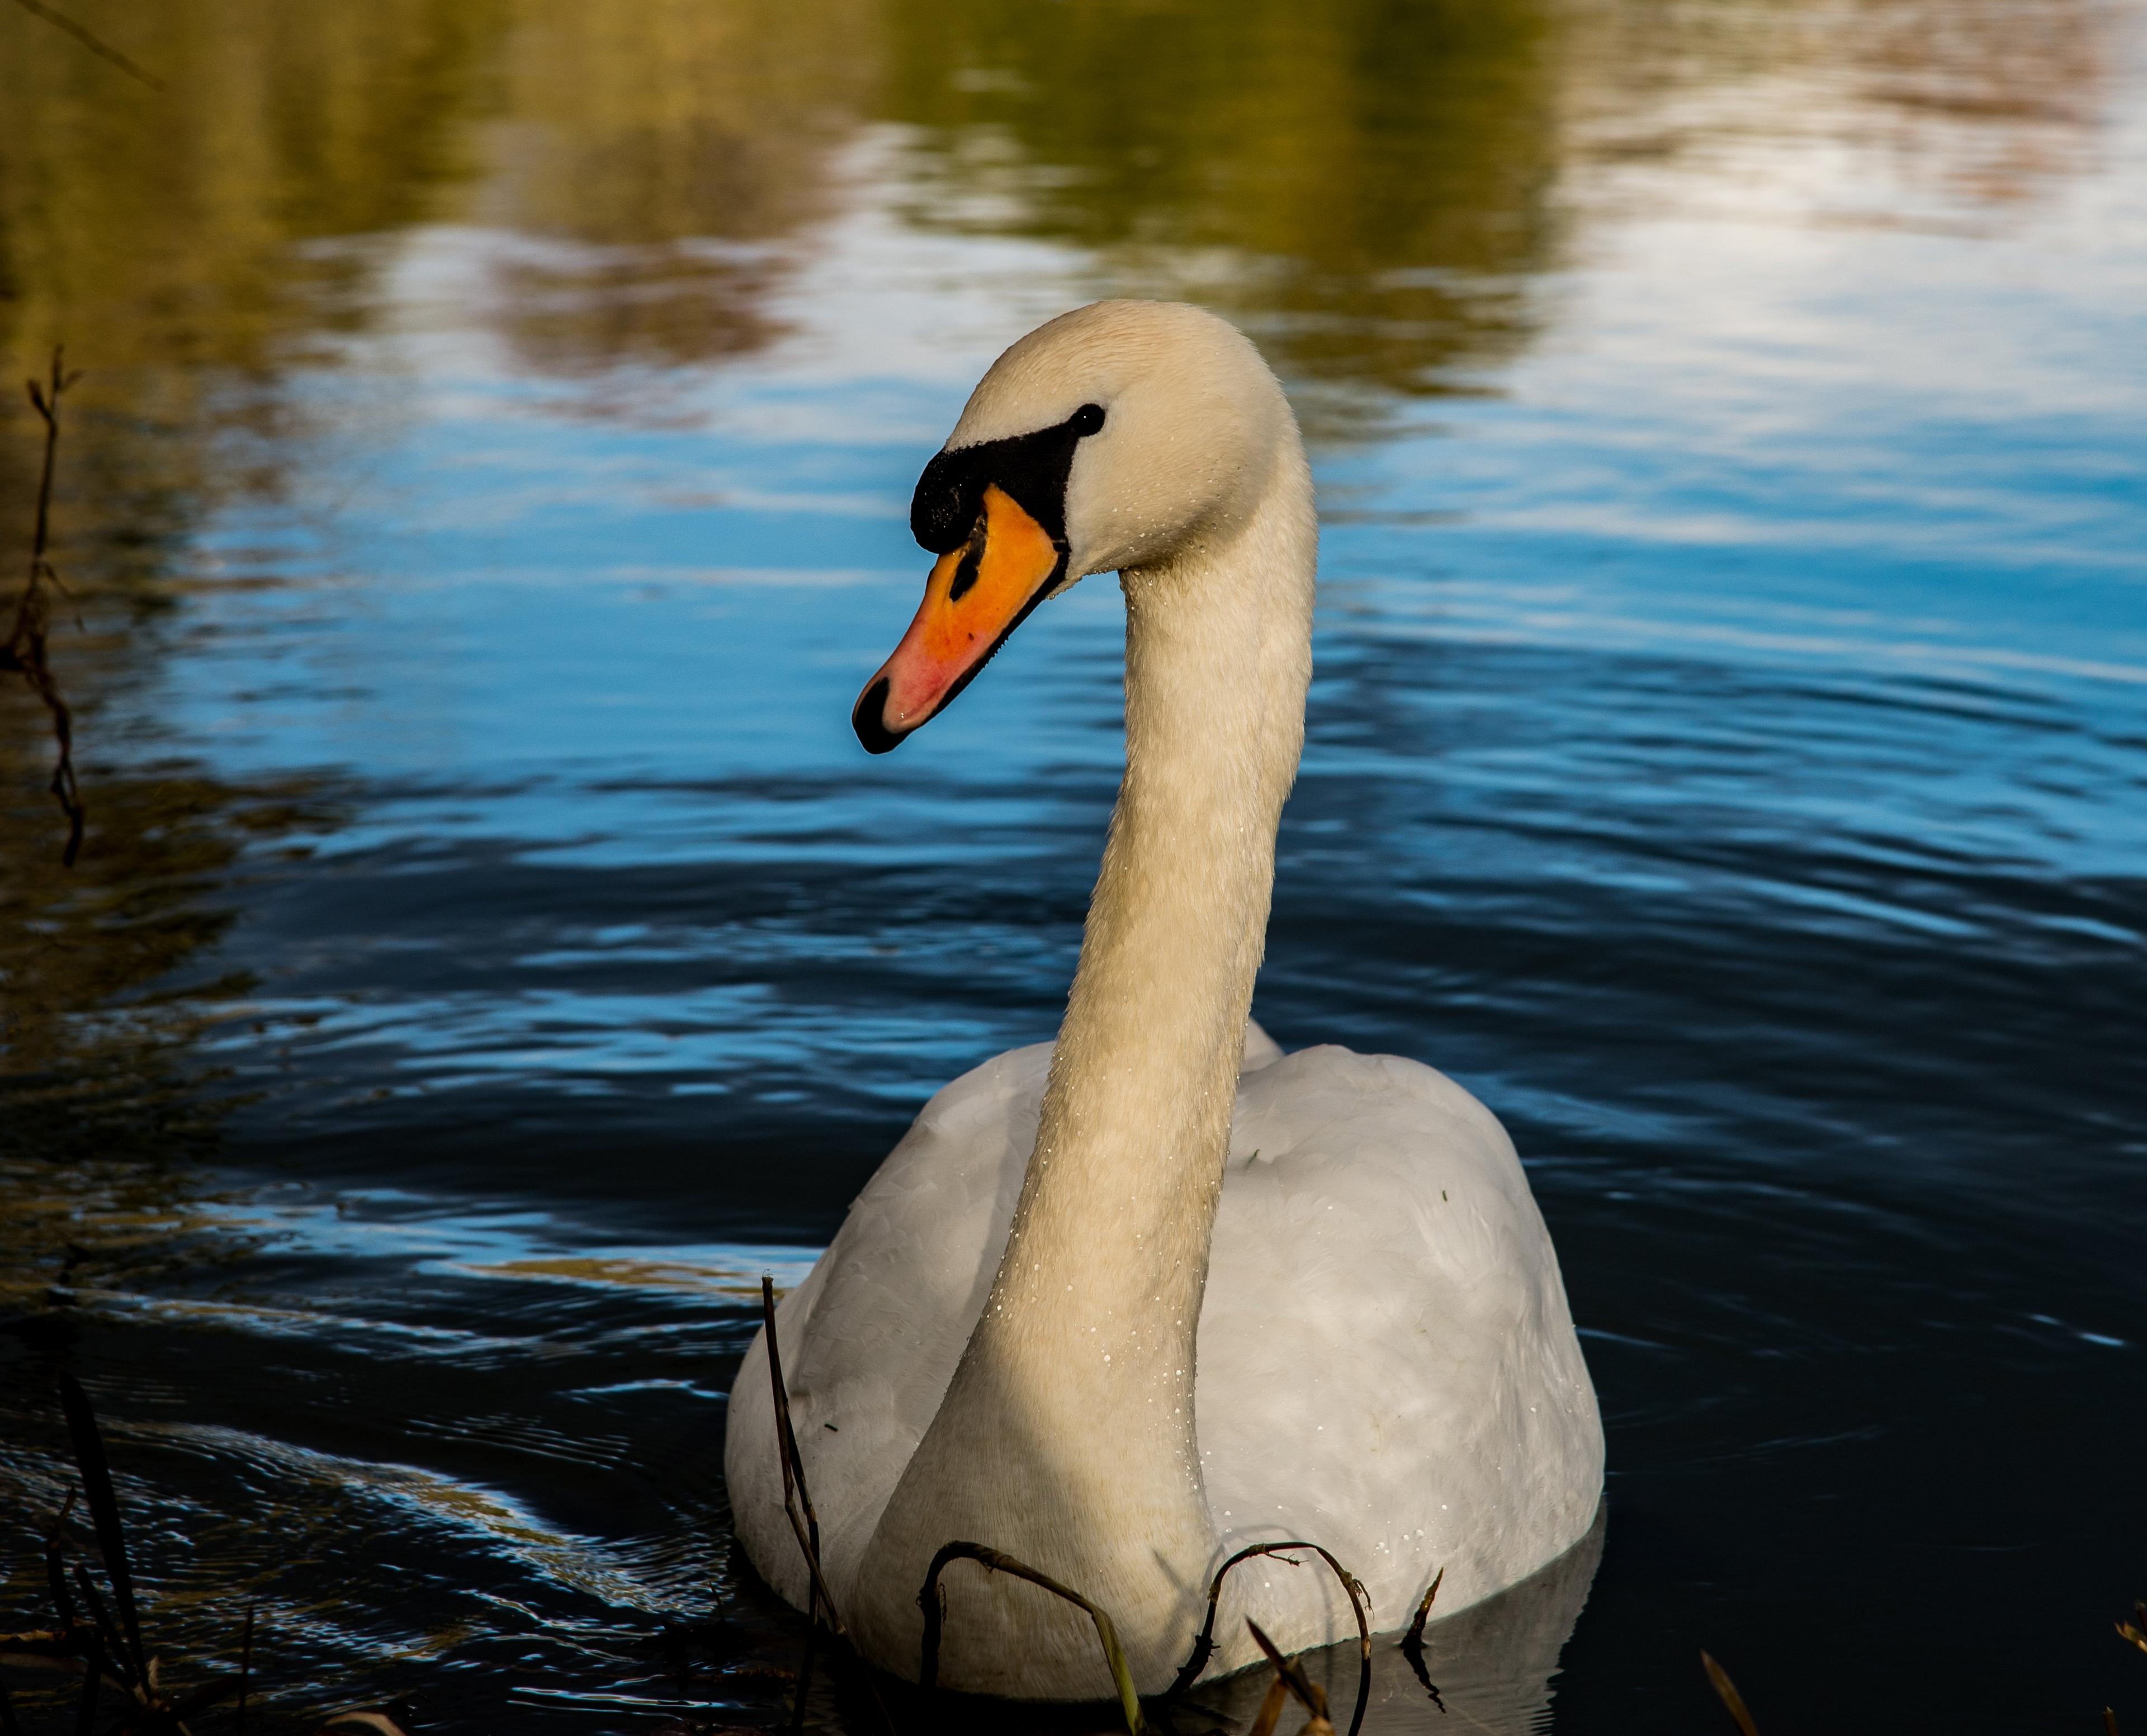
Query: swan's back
pixel 1386 1363
pixel 1388 1366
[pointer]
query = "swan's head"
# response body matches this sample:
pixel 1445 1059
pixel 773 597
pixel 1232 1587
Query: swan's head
pixel 1115 437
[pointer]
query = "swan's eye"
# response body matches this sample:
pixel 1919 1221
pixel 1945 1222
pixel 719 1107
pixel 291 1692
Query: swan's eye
pixel 1087 420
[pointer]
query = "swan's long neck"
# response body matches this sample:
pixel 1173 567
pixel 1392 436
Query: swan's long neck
pixel 1067 1436
pixel 1098 1294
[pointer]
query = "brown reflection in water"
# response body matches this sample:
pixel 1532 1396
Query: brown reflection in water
pixel 156 232
pixel 175 240
pixel 1992 98
pixel 161 236
pixel 104 1225
pixel 677 146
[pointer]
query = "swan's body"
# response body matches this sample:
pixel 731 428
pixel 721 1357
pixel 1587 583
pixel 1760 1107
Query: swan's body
pixel 1074 1317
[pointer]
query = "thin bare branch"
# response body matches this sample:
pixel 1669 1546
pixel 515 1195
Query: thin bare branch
pixel 24 649
pixel 994 1561
pixel 795 1495
pixel 805 1527
pixel 55 1565
pixel 125 1640
pixel 1360 1603
pixel 82 33
pixel 1414 1637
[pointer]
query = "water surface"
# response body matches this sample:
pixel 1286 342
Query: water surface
pixel 1728 757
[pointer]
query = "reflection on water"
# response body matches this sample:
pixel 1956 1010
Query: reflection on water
pixel 162 236
pixel 1963 108
pixel 102 1003
pixel 681 147
pixel 1364 184
pixel 1490 1668
pixel 490 953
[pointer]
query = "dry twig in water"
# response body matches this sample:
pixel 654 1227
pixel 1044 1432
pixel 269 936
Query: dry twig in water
pixel 1203 1647
pixel 935 1615
pixel 1289 1676
pixel 1412 1642
pixel 1730 1697
pixel 24 651
pixel 104 1645
pixel 805 1527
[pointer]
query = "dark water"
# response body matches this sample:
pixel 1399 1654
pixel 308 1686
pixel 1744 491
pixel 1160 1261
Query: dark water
pixel 491 952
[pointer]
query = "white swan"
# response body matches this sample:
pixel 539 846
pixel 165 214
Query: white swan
pixel 1115 1306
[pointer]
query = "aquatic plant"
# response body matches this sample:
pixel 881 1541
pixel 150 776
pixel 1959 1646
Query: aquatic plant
pixel 1290 1678
pixel 1727 1689
pixel 1412 1645
pixel 97 1634
pixel 24 650
pixel 997 1561
pixel 1290 1682
pixel 805 1525
pixel 1203 1646
pixel 2133 1633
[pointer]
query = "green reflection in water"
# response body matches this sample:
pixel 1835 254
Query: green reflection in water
pixel 1362 182
pixel 161 236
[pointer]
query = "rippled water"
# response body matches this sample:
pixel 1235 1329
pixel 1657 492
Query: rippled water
pixel 1728 756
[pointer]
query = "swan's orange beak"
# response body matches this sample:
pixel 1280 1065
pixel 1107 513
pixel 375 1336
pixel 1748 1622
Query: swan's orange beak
pixel 977 594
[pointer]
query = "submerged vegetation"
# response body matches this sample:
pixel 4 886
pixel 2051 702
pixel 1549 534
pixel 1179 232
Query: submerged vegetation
pixel 96 1637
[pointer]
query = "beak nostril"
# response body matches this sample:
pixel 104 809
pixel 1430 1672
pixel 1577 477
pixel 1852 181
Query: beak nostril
pixel 965 575
pixel 870 719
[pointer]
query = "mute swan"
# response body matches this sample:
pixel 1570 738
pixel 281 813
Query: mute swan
pixel 1120 1305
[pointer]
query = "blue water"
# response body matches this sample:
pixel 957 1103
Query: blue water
pixel 1727 755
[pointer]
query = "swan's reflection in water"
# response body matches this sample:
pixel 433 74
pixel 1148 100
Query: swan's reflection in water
pixel 1492 1664
pixel 1487 1668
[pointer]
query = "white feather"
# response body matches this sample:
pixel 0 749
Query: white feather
pixel 1386 1365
